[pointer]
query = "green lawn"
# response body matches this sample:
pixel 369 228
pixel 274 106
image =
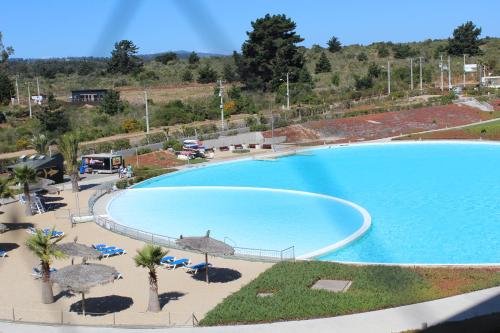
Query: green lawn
pixel 373 287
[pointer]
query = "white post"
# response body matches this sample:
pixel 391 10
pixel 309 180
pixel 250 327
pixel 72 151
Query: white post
pixel 17 91
pixel 287 92
pixel 29 99
pixel 221 94
pixel 37 86
pixel 388 78
pixel 464 70
pixel 147 110
pixel 421 82
pixel 411 73
pixel 442 73
pixel 449 73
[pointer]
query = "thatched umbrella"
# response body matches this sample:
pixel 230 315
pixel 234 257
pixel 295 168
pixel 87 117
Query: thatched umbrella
pixel 79 250
pixel 80 278
pixel 206 244
pixel 3 228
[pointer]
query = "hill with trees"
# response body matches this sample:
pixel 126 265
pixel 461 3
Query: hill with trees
pixel 322 78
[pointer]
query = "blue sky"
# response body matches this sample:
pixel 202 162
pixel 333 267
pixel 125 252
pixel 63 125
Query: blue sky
pixel 59 28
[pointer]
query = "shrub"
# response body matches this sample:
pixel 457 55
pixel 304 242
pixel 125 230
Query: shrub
pixel 131 125
pixel 144 150
pixel 121 144
pixel 241 151
pixel 122 184
pixel 175 145
pixel 22 143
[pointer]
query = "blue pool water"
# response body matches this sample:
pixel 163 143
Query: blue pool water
pixel 431 203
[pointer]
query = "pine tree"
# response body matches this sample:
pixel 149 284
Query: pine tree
pixel 323 65
pixel 465 40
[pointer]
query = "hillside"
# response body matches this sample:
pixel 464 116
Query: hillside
pixel 176 101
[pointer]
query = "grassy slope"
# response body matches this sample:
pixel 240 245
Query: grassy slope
pixel 374 287
pixel 488 131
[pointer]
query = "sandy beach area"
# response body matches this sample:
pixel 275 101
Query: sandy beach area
pixel 181 294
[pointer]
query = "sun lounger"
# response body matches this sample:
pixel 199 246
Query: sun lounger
pixel 55 233
pixel 178 263
pixel 98 246
pixel 37 273
pixel 167 259
pixel 113 253
pixel 106 249
pixel 198 267
pixel 3 254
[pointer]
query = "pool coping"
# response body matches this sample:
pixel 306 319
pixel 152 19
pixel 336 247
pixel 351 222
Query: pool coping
pixel 336 146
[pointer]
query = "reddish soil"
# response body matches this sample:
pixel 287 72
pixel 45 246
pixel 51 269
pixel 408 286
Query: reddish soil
pixel 496 104
pixel 381 125
pixel 294 133
pixel 162 159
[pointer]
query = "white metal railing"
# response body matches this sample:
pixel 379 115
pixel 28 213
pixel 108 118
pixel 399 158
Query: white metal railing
pixel 170 242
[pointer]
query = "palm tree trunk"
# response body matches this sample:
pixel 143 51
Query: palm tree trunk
pixel 47 293
pixel 26 190
pixel 154 302
pixel 74 181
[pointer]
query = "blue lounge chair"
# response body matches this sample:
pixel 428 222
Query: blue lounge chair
pixel 178 263
pixel 55 233
pixel 113 253
pixel 98 246
pixel 167 259
pixel 3 254
pixel 198 267
pixel 37 273
pixel 106 249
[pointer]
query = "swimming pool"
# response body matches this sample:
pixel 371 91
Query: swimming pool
pixel 430 203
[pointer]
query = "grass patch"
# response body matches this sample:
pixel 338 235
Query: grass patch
pixel 373 287
pixel 488 131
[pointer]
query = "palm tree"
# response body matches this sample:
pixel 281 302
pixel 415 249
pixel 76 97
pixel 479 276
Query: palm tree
pixel 25 175
pixel 150 257
pixel 5 191
pixel 68 146
pixel 40 143
pixel 44 248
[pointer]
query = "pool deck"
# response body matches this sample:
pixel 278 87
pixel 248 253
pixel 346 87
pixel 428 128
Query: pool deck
pixel 398 319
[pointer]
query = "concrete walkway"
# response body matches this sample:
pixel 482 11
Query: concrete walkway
pixel 390 320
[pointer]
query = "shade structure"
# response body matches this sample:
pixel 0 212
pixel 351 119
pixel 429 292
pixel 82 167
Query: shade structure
pixel 79 250
pixel 3 228
pixel 207 245
pixel 82 277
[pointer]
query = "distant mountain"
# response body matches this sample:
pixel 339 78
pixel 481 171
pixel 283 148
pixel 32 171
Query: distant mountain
pixel 183 54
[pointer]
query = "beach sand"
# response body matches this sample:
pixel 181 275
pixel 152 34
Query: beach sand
pixel 181 293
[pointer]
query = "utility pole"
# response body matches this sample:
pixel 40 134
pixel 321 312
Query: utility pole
pixel 272 125
pixel 147 110
pixel 464 70
pixel 442 74
pixel 411 73
pixel 221 95
pixel 388 77
pixel 421 82
pixel 449 73
pixel 37 86
pixel 287 92
pixel 29 99
pixel 17 90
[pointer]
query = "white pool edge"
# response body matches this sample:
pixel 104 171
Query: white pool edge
pixel 365 226
pixel 343 145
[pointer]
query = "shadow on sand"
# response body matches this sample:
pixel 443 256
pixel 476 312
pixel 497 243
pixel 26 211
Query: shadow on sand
pixel 218 275
pixel 100 306
pixel 170 296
